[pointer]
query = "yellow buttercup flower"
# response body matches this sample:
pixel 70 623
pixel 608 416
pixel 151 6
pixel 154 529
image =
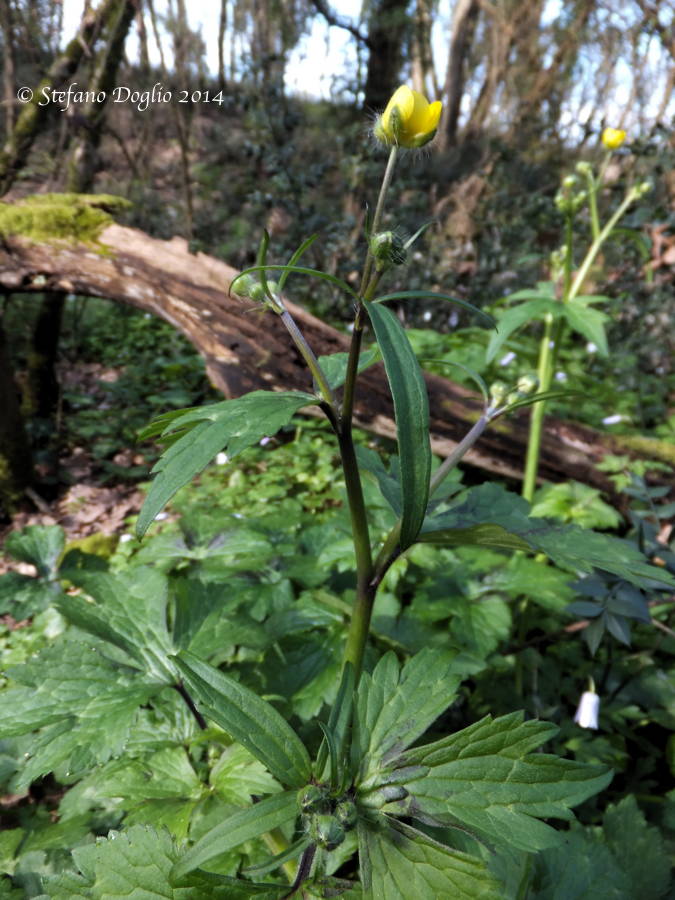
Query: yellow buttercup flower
pixel 613 138
pixel 409 119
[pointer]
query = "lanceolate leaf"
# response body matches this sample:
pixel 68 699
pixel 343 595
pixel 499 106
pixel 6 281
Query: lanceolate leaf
pixel 486 779
pixel 434 295
pixel 411 406
pixel 300 270
pixel 232 425
pixel 270 813
pixel 399 862
pixel 248 719
pixel 569 546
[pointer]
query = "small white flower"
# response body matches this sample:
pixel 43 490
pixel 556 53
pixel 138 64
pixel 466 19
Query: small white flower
pixel 560 376
pixel 453 318
pixel 265 441
pixel 222 458
pixel 124 538
pixel 587 712
pixel 591 347
pixel 612 420
pixel 505 360
pixel 161 516
pixel 350 327
pixel 427 316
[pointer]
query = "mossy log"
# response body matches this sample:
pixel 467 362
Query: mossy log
pixel 246 348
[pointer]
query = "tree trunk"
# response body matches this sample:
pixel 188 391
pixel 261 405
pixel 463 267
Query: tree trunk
pixel 14 154
pixel 245 351
pixel 8 66
pixel 463 26
pixel 16 467
pixel 386 31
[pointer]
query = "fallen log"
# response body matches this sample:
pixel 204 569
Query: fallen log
pixel 245 348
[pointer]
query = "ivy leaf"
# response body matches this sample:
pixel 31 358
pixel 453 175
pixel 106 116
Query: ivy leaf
pixel 411 406
pixel 243 825
pixel 136 863
pixel 394 706
pixel 398 862
pixel 200 434
pixel 485 778
pixel 248 719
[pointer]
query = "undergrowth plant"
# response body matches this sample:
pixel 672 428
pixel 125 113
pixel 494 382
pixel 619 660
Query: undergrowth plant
pixel 246 732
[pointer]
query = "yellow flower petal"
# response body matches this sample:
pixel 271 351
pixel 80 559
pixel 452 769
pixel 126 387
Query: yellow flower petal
pixel 613 138
pixel 409 120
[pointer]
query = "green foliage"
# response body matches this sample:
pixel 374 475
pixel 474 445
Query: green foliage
pixel 60 217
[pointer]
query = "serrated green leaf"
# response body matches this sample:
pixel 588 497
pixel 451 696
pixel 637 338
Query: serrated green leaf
pixel 232 425
pixel 248 719
pixel 130 612
pixel 394 706
pixel 135 863
pixel 41 545
pixel 167 774
pixel 512 319
pixel 569 546
pixel 270 813
pixel 237 776
pixel 397 863
pixel 486 779
pixel 579 868
pixel 488 321
pixel 411 406
pixel 588 322
pixel 639 849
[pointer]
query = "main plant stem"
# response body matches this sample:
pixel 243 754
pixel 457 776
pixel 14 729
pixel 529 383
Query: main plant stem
pixel 366 589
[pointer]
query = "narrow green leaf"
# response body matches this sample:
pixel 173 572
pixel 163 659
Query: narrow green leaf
pixel 398 862
pixel 271 864
pixel 302 270
pixel 435 295
pixel 232 425
pixel 411 406
pixel 305 245
pixel 248 719
pixel 476 536
pixel 270 813
pixel 512 319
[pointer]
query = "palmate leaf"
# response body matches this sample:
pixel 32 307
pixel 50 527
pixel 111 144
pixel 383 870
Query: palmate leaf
pixel 232 425
pixel 136 863
pixel 398 862
pixel 485 778
pixel 568 546
pixel 83 702
pixel 588 322
pixel 411 406
pixel 41 545
pixel 395 706
pixel 514 318
pixel 129 612
pixel 248 719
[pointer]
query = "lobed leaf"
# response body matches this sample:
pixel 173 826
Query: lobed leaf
pixel 232 425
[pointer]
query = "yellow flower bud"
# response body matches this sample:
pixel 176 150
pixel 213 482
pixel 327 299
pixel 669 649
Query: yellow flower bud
pixel 409 119
pixel 613 138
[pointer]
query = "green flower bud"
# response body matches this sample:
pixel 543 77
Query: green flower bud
pixel 311 798
pixel 346 814
pixel 569 182
pixel 643 188
pixel 497 393
pixel 584 168
pixel 327 832
pixel 527 384
pixel 244 284
pixel 388 249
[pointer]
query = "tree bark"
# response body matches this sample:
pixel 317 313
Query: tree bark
pixel 247 349
pixel 16 467
pixel 463 25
